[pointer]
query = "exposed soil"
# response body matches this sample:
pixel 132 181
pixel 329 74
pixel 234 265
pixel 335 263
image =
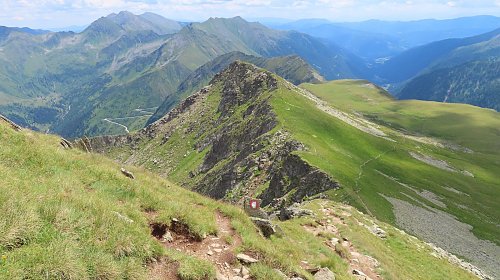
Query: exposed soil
pixel 219 250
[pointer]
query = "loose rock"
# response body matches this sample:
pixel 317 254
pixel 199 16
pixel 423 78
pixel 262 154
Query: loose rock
pixel 245 271
pixel 266 226
pixel 246 259
pixel 167 237
pixel 324 274
pixel 127 173
pixel 378 231
pixel 358 272
pixel 294 211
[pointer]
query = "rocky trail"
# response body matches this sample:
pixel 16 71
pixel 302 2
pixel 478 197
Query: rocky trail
pixel 218 250
pixel 362 266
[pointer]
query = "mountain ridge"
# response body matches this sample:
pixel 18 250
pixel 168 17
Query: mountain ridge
pixel 292 68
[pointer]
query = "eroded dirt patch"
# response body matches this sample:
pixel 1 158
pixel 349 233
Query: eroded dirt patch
pixel 219 249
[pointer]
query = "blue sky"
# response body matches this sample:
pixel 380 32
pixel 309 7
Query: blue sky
pixel 61 13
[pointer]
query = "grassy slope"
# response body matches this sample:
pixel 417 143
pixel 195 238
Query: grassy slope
pixel 356 158
pixel 62 214
pixel 63 217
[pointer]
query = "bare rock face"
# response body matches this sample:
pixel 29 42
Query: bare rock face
pixel 296 174
pixel 245 82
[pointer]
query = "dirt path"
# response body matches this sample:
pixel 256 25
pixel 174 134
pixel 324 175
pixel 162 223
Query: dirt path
pixel 357 262
pixel 219 250
pixel 357 188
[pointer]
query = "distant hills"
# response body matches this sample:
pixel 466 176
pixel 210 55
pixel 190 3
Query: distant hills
pixel 453 70
pixel 446 52
pixel 476 82
pixel 375 39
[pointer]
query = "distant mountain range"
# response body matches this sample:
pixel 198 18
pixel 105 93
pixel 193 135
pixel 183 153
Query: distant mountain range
pixel 376 39
pixel 453 70
pixel 234 109
pixel 115 75
pixel 88 83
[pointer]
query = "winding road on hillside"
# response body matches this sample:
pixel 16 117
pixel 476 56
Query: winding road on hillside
pixel 146 111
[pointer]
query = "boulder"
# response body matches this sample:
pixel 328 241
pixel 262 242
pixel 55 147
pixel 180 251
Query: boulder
pixel 378 231
pixel 266 226
pixel 324 274
pixel 294 211
pixel 246 259
pixel 127 173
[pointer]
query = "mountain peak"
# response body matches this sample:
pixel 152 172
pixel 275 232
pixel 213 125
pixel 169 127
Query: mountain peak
pixel 129 22
pixel 247 76
pixel 241 82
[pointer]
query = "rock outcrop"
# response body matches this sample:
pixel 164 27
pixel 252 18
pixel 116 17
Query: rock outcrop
pixel 11 123
pixel 294 211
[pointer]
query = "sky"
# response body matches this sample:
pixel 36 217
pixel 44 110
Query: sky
pixel 63 13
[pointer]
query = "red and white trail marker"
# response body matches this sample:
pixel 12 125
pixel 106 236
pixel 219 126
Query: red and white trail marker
pixel 254 204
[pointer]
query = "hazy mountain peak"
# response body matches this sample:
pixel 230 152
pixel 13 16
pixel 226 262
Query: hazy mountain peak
pixel 146 22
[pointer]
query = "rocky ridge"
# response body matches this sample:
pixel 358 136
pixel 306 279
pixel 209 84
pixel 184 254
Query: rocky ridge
pixel 236 150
